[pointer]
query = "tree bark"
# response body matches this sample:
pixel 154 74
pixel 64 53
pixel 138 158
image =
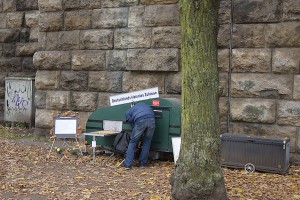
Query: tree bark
pixel 198 173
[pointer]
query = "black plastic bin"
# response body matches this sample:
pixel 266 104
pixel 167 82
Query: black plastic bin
pixel 255 153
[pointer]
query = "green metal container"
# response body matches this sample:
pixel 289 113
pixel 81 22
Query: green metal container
pixel 167 119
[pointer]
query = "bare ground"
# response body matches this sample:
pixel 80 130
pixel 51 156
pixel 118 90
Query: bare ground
pixel 27 173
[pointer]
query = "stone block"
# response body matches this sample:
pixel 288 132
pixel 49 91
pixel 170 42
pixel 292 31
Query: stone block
pixel 173 83
pixel 27 49
pixel 132 38
pixel 104 99
pixel 223 84
pixel 8 50
pixel 79 19
pixel 47 80
pixel 43 118
pixel 291 10
pixel 63 41
pixel 10 64
pixel 84 101
pixel 71 4
pixel 153 59
pixel 90 4
pixel 165 37
pixel 162 15
pixel 74 80
pixel 250 11
pixel 136 16
pixel 27 5
pixel 223 60
pixel 288 112
pixel 24 35
pixel 134 81
pixel 40 99
pixel 225 12
pixel 282 34
pixel 296 91
pixel 104 81
pixel 51 21
pixel 262 85
pixel 248 35
pixel 251 60
pixel 149 2
pixel 58 100
pixel 3 20
pixel 88 60
pixel 110 17
pixel 9 5
pixel 34 35
pixel 223 109
pixel 83 118
pixel 42 38
pixel 253 110
pixel 96 39
pixel 27 64
pixel 116 60
pixel 286 60
pixel 266 130
pixel 9 35
pixel 120 3
pixel 50 5
pixel 52 60
pixel 32 19
pixel 223 36
pixel 41 132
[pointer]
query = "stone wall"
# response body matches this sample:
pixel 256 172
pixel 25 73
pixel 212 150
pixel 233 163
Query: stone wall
pixel 88 50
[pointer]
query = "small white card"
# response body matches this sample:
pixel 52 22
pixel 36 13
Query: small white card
pixel 93 143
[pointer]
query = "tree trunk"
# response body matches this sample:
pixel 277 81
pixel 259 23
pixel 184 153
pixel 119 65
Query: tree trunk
pixel 198 173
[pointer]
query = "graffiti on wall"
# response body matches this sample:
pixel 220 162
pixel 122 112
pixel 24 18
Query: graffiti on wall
pixel 18 100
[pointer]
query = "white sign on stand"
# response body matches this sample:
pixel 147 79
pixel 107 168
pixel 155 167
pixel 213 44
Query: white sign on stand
pixel 134 96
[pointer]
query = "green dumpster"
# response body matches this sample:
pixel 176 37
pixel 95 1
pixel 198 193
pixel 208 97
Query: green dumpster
pixel 167 119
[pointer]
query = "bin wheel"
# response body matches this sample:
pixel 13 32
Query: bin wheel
pixel 249 167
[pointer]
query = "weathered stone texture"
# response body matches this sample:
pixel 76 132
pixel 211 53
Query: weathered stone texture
pixel 120 3
pixel 223 36
pixel 24 35
pixel 88 60
pixel 71 4
pixel 43 118
pixel 132 38
pixel 2 92
pixel 58 100
pixel 83 117
pixel 148 2
pixel 283 34
pixel 84 101
pixel 9 35
pixel 9 5
pixel 42 38
pixel 104 81
pixel 3 20
pixel 79 19
pixel 10 64
pixel 291 10
pixel 116 60
pixel 251 60
pixel 27 64
pixel 296 91
pixel 134 81
pixel 50 5
pixel 27 49
pixel 52 60
pixel 47 80
pixel 64 40
pixel 162 15
pixel 96 39
pixel 248 35
pixel 223 60
pixel 223 109
pixel 94 4
pixel 223 84
pixel 32 19
pixel 246 11
pixel 34 35
pixel 40 99
pixel 288 113
pixel 153 59
pixel 165 37
pixel 173 83
pixel 253 110
pixel 110 18
pixel 8 50
pixel 27 5
pixel 2 78
pixel 224 12
pixel 266 130
pixel 14 19
pixel 261 85
pixel 104 99
pixel 286 60
pixel 51 21
pixel 74 80
pixel 136 16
